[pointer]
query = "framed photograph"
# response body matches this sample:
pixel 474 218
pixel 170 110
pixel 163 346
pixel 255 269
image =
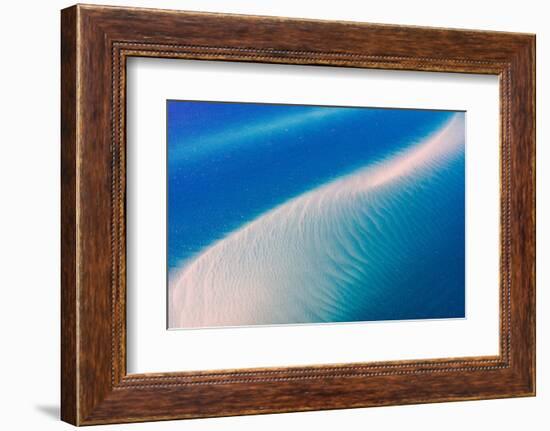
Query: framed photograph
pixel 265 215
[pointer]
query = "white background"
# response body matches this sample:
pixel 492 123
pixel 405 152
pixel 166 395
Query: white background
pixel 29 228
pixel 151 348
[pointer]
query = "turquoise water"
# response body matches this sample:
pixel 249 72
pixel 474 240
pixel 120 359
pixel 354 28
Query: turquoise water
pixel 284 214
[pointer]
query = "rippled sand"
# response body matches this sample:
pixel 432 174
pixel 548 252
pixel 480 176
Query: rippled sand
pixel 377 244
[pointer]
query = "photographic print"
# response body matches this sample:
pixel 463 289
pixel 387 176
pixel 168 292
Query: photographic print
pixel 297 214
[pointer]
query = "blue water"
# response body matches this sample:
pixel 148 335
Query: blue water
pixel 230 163
pixel 213 192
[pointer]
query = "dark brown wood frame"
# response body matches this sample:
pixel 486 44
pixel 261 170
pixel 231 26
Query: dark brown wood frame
pixel 95 43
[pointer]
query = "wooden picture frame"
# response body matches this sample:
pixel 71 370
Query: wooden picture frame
pixel 95 43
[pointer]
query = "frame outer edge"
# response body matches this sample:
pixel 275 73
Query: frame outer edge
pixel 532 80
pixel 69 202
pixel 530 63
pixel 533 53
pixel 523 218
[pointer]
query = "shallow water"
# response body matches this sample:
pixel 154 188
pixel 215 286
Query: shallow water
pixel 375 232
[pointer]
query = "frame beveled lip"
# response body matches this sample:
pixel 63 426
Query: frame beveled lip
pixel 96 41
